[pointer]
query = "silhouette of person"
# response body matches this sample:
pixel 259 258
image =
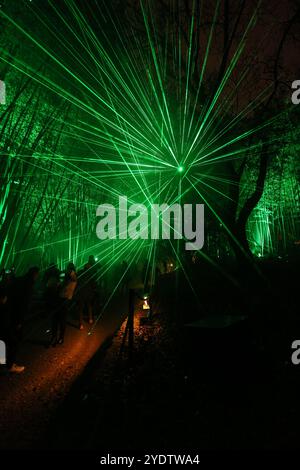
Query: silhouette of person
pixel 8 334
pixel 86 294
pixel 65 296
pixel 20 296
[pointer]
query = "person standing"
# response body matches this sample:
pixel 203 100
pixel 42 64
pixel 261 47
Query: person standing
pixel 8 334
pixel 86 294
pixel 20 295
pixel 66 294
pixel 51 286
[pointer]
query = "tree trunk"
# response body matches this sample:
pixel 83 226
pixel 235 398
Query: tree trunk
pixel 237 226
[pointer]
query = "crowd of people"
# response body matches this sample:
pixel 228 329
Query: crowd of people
pixel 61 292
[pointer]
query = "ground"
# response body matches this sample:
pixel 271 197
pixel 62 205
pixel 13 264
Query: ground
pixel 29 400
pixel 153 402
pixel 213 386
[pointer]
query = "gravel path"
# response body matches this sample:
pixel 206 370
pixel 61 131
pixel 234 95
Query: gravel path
pixel 28 400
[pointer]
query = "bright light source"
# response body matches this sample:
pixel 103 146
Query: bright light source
pixel 180 169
